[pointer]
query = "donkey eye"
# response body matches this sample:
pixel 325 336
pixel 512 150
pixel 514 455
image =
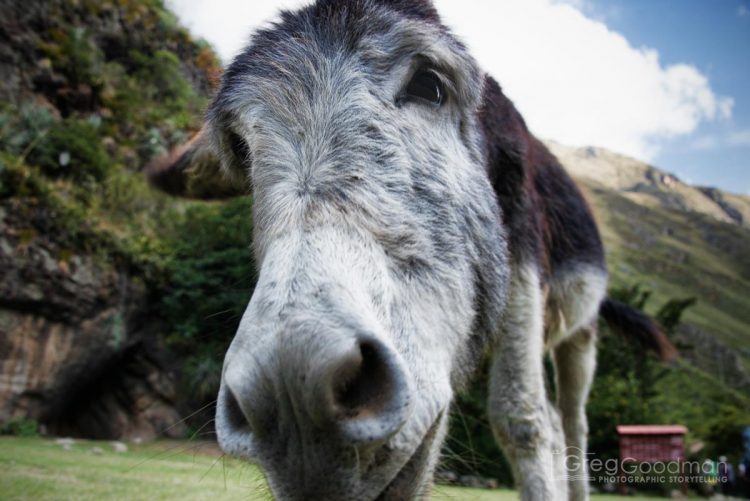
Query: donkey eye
pixel 425 85
pixel 239 146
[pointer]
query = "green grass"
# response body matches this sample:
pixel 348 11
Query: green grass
pixel 40 469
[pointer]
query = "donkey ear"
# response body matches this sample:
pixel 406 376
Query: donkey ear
pixel 194 170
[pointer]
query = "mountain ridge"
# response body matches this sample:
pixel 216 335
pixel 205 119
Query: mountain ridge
pixel 650 185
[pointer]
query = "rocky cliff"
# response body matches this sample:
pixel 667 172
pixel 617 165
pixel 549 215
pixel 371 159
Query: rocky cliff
pixel 650 186
pixel 78 349
pixel 89 91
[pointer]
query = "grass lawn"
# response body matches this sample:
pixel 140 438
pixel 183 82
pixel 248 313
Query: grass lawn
pixel 40 469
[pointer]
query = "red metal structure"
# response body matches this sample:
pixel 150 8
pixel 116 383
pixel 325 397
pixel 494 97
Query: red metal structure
pixel 651 443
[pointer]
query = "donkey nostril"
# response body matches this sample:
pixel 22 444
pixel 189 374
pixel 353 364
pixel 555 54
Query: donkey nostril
pixel 235 418
pixel 368 394
pixel 366 385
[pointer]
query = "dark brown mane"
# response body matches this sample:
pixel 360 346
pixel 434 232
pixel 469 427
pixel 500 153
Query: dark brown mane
pixel 549 220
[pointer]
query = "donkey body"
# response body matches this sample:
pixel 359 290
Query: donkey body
pixel 405 223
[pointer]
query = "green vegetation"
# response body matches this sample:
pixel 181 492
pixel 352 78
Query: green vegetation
pixel 20 427
pixel 105 102
pixel 212 275
pixel 626 385
pixel 71 148
pixel 43 470
pixel 705 263
pixel 679 254
pixel 631 387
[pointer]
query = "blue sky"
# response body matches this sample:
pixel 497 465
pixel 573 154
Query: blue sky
pixel 714 36
pixel 665 81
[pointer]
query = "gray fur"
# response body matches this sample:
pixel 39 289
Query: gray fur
pixel 372 219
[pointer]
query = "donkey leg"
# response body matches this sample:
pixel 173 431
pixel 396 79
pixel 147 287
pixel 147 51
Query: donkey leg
pixel 575 362
pixel 524 422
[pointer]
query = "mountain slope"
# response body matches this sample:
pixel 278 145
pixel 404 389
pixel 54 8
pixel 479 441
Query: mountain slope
pixel 678 241
pixel 650 186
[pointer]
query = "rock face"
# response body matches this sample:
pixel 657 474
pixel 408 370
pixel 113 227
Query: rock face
pixel 78 351
pixel 649 186
pixel 114 28
pixel 81 347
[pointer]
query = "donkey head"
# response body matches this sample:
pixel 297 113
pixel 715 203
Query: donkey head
pixel 382 257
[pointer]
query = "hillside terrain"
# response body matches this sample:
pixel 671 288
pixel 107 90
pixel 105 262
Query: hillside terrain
pixel 647 185
pixel 89 92
pixel 678 241
pixel 117 302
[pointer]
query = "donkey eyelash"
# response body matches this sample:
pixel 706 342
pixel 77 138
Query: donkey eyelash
pixel 426 85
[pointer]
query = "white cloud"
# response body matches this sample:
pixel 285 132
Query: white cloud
pixel 739 138
pixel 743 11
pixel 574 80
pixel 578 82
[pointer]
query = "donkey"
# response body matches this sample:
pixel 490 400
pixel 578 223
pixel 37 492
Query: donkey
pixel 406 222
